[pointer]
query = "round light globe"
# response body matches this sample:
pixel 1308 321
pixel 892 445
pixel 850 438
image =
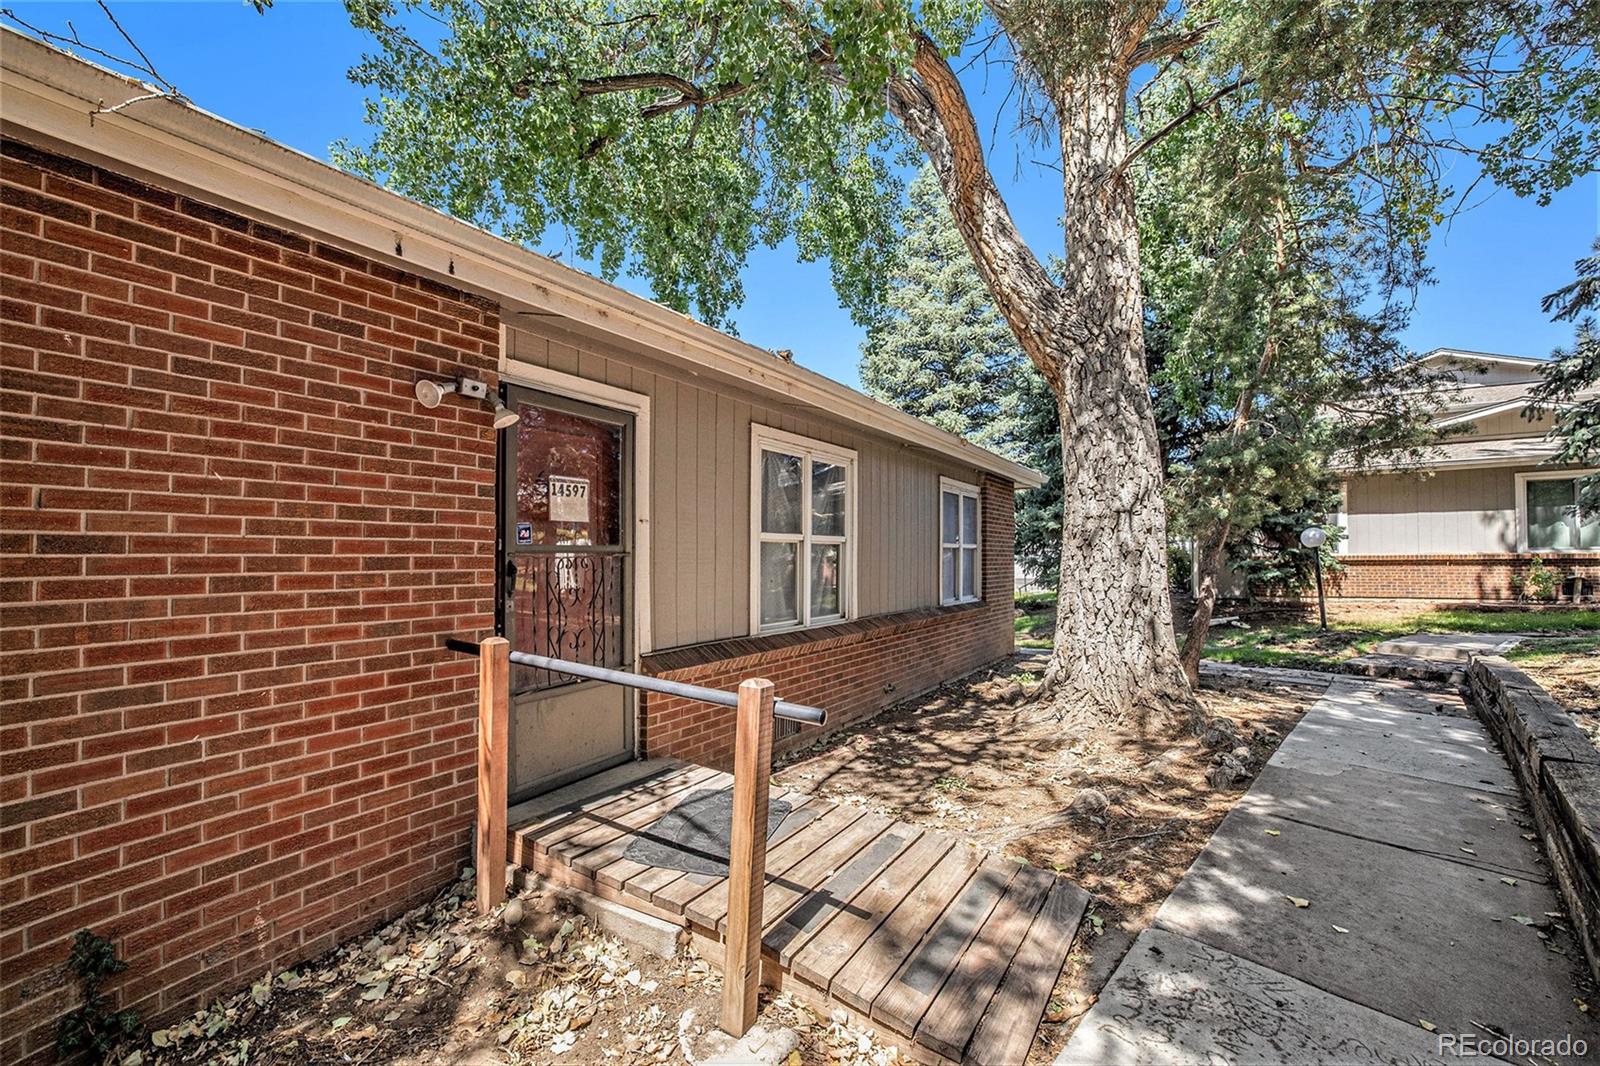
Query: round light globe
pixel 1313 537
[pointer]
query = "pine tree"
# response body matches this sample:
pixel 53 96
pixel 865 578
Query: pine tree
pixel 941 352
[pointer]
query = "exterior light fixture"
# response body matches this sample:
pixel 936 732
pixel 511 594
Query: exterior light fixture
pixel 1314 537
pixel 504 417
pixel 431 393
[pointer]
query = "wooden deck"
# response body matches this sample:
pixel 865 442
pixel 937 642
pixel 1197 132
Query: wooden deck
pixel 954 950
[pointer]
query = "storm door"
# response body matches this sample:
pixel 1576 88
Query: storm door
pixel 566 591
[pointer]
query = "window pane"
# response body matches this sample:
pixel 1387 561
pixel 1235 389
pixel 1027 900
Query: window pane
pixel 827 499
pixel 969 520
pixel 1552 519
pixel 947 575
pixel 568 478
pixel 1589 512
pixel 969 572
pixel 825 574
pixel 780 597
pixel 950 530
pixel 780 493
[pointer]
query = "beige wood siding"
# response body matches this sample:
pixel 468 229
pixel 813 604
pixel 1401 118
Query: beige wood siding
pixel 700 489
pixel 1452 512
pixel 1509 424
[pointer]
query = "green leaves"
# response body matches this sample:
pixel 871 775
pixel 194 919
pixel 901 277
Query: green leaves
pixel 666 140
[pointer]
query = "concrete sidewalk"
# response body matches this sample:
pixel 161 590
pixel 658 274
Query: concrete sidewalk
pixel 1386 811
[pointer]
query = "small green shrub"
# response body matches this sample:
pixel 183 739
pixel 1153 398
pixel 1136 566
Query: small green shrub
pixel 1540 582
pixel 94 1027
pixel 1036 601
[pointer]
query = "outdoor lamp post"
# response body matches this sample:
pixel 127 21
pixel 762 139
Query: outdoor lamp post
pixel 1314 537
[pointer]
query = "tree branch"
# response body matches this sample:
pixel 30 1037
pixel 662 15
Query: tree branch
pixel 1159 45
pixel 931 106
pixel 1153 139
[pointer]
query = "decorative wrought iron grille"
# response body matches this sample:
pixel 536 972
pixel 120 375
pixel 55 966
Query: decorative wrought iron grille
pixel 566 605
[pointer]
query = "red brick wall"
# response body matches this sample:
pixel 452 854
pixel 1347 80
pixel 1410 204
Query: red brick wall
pixel 847 675
pixel 1449 577
pixel 232 544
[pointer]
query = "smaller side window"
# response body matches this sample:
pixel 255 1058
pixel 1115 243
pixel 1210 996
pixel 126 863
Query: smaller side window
pixel 960 574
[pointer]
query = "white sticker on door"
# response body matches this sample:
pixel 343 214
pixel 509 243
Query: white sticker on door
pixel 569 499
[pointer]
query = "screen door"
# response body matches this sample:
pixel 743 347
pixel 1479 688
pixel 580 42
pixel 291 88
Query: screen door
pixel 567 586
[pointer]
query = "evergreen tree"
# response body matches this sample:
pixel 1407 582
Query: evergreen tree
pixel 1571 385
pixel 939 350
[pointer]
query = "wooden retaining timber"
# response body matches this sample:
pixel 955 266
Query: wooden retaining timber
pixel 952 950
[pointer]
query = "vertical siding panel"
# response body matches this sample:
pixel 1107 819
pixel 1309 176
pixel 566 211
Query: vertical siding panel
pixel 709 508
pixel 686 501
pixel 664 516
pixel 743 415
pixel 727 623
pixel 563 357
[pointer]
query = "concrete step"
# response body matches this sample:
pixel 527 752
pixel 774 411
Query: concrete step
pixel 1407 668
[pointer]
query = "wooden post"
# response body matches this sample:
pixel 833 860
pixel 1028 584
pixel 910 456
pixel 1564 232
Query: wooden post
pixel 494 717
pixel 747 855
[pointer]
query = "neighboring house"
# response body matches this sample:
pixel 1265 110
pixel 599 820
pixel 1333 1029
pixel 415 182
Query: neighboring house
pixel 239 525
pixel 1484 503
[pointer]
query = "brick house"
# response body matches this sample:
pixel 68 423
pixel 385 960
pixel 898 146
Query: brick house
pixel 1467 522
pixel 271 434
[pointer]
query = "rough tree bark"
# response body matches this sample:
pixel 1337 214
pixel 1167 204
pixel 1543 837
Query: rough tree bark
pixel 1209 552
pixel 1114 650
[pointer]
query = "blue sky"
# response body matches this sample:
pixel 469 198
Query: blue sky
pixel 284 74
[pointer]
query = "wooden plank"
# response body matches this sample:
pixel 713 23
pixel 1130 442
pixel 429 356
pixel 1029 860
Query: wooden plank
pixel 708 906
pixel 905 998
pixel 620 828
pixel 817 908
pixel 645 881
pixel 801 879
pixel 954 1013
pixel 747 855
pixel 829 948
pixel 879 957
pixel 677 895
pixel 589 815
pixel 571 797
pixel 494 734
pixel 1008 1027
pixel 531 830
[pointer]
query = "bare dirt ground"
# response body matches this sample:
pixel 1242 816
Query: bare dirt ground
pixel 536 982
pixel 542 984
pixel 976 758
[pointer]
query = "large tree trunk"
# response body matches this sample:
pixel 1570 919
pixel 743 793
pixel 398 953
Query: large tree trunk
pixel 1114 614
pixel 1115 653
pixel 1209 552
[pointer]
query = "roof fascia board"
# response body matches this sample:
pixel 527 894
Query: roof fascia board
pixel 52 94
pixel 1482 357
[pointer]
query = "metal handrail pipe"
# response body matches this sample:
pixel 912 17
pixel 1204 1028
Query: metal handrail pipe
pixel 794 712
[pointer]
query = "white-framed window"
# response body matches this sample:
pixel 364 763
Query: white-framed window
pixel 1551 516
pixel 803 521
pixel 960 543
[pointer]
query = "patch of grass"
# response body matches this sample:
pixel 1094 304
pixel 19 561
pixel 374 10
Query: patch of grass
pixel 1030 623
pixel 951 783
pixel 1543 649
pixel 1298 643
pixel 1556 621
